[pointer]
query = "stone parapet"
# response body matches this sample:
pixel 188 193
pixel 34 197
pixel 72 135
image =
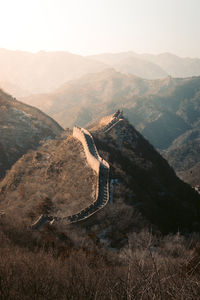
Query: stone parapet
pixel 81 134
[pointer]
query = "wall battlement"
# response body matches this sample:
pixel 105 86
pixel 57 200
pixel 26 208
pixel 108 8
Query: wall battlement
pixel 116 118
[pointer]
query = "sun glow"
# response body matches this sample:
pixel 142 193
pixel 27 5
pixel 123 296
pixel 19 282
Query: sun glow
pixel 91 26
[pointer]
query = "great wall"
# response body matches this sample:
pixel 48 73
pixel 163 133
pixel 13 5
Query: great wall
pixel 100 167
pixel 116 118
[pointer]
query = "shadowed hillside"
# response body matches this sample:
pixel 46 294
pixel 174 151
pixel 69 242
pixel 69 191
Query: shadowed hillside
pixel 22 127
pixel 146 180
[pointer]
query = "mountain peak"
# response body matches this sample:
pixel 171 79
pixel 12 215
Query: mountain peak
pixel 106 123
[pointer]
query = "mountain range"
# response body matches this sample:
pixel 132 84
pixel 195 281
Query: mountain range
pixel 151 66
pixel 24 73
pixel 43 71
pixel 166 111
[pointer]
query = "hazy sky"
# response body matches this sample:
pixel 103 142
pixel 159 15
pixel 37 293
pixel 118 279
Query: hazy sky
pixel 95 26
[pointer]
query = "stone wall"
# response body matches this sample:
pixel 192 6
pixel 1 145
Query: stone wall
pixel 116 118
pixel 101 168
pixel 93 162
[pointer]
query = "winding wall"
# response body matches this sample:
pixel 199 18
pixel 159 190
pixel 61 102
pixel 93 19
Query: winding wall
pixel 101 168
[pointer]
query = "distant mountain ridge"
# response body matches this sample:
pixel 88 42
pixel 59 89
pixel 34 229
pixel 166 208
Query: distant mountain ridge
pixel 43 71
pixel 130 62
pixel 174 65
pixel 162 64
pixel 23 73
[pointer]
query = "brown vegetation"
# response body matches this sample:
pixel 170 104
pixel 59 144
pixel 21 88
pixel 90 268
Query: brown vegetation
pixel 55 179
pixel 49 265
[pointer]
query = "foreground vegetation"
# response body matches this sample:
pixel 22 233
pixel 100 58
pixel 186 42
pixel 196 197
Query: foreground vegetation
pixel 56 265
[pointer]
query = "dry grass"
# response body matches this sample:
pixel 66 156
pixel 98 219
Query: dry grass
pixel 149 267
pixel 55 179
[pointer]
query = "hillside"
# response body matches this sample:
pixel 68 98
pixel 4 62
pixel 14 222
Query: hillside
pixel 191 176
pixel 56 180
pixel 49 180
pixel 166 111
pixel 22 127
pixel 183 153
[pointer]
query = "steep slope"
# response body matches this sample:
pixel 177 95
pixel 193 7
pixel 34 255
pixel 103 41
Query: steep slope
pixel 53 180
pixel 21 128
pixel 145 180
pixel 43 71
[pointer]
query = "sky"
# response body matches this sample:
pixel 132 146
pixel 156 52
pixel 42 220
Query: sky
pixel 98 26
